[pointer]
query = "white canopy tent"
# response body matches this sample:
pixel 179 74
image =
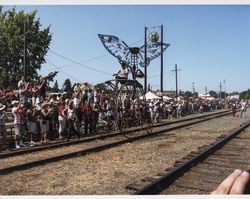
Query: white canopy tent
pixel 206 96
pixel 150 96
pixel 166 98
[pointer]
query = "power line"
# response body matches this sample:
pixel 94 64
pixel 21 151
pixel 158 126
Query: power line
pixel 176 79
pixel 63 71
pixel 85 66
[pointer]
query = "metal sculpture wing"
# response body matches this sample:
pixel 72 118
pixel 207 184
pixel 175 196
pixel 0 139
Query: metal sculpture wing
pixel 115 47
pixel 153 51
pixel 122 51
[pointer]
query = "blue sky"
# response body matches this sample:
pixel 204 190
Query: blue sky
pixel 209 43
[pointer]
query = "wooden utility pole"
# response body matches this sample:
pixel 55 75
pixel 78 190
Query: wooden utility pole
pixel 24 53
pixel 145 60
pixel 176 79
pixel 193 87
pixel 161 58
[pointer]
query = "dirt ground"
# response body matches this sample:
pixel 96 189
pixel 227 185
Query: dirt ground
pixel 108 172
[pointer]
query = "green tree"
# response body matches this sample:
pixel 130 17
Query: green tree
pixel 188 94
pixel 67 86
pixel 245 94
pixel 14 27
pixel 213 94
pixel 55 88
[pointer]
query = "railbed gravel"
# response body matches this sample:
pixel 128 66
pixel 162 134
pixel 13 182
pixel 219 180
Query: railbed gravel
pixel 109 171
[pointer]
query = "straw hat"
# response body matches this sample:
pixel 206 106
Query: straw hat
pixel 2 107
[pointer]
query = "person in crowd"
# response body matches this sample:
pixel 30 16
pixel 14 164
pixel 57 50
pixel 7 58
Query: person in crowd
pixel 23 92
pixel 53 119
pixel 102 98
pixel 79 116
pixel 17 123
pixel 151 109
pixel 77 88
pixel 70 114
pixel 22 82
pixel 96 96
pixel 76 98
pixel 42 88
pixel 31 115
pixel 3 119
pixel 34 92
pixel 95 114
pixel 90 96
pixel 242 108
pixel 236 183
pixel 23 122
pixel 156 110
pixel 234 108
pixel 123 72
pixel 85 89
pixel 44 122
pixel 88 117
pixel 62 119
pixel 179 109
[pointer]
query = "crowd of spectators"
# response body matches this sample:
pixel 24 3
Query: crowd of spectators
pixel 63 116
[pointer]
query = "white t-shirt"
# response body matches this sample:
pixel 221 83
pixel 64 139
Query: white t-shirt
pixel 16 115
pixel 21 83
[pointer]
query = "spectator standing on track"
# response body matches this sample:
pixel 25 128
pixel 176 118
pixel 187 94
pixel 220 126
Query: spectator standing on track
pixel 242 108
pixel 234 109
pixel 3 119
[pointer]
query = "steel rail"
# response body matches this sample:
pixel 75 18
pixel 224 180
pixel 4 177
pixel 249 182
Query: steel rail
pixel 168 178
pixel 23 166
pixel 95 137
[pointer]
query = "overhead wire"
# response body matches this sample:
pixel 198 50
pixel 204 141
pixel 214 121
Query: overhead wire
pixel 78 63
pixel 63 71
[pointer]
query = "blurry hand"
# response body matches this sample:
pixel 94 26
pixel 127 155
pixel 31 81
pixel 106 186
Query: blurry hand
pixel 235 183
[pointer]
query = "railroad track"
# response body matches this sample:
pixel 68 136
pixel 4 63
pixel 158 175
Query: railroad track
pixel 9 164
pixel 201 171
pixel 56 144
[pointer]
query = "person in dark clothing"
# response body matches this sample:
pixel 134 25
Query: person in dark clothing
pixel 79 116
pixel 42 88
pixel 88 117
pixel 95 114
pixel 71 119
